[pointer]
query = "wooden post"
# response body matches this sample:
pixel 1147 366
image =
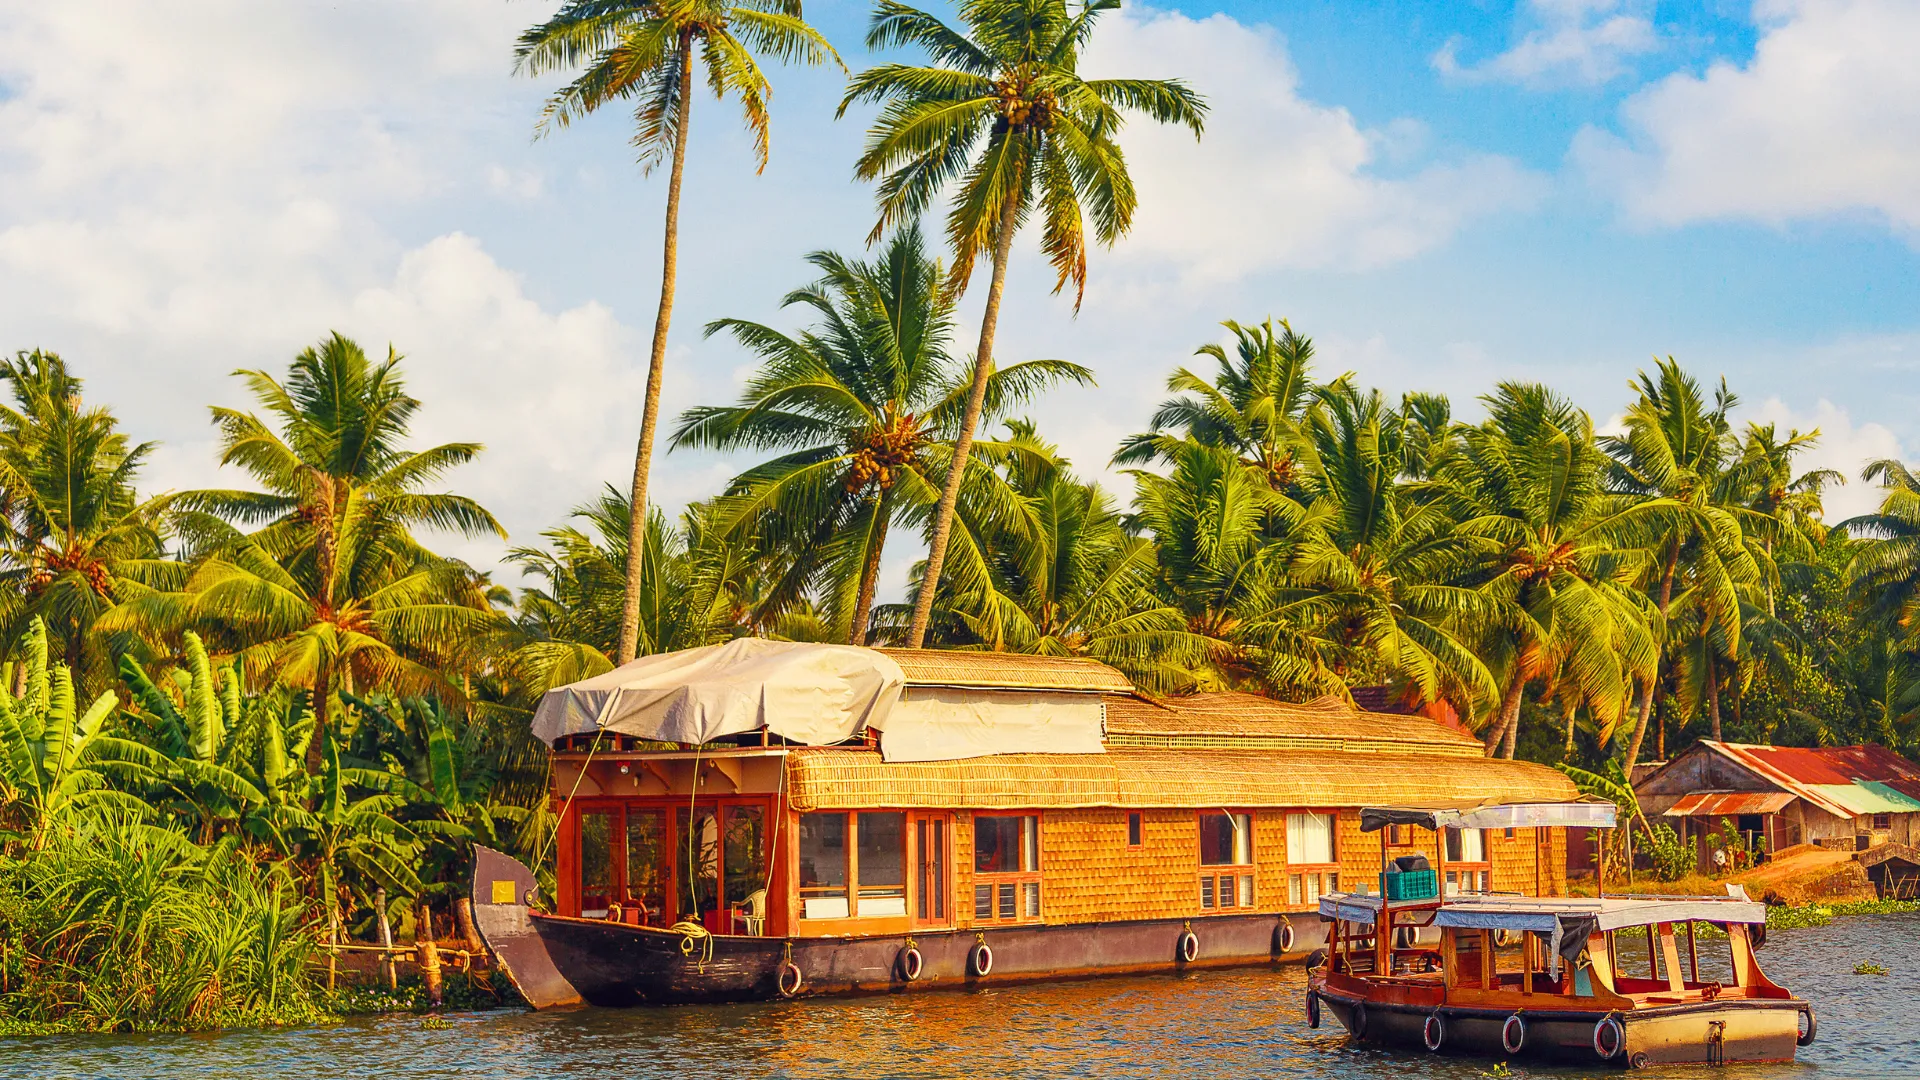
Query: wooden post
pixel 430 971
pixel 463 918
pixel 386 938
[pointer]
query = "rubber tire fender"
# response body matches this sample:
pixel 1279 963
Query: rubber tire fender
pixel 980 960
pixel 1619 1037
pixel 1513 1034
pixel 1188 949
pixel 1805 1038
pixel 1313 1009
pixel 1433 1031
pixel 911 964
pixel 1357 1024
pixel 790 980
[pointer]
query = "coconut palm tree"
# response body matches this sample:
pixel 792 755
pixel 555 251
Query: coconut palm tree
pixel 860 403
pixel 1001 119
pixel 1255 405
pixel 73 535
pixel 643 51
pixel 1529 480
pixel 333 592
pixel 1078 585
pixel 1679 447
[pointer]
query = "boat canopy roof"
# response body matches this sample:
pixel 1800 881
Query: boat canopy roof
pixel 1547 914
pixel 1598 815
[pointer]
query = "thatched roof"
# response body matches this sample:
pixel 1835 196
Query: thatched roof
pixel 1248 720
pixel 1006 671
pixel 835 779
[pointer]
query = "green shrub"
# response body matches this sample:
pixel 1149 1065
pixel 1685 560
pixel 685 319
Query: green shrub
pixel 117 925
pixel 1672 859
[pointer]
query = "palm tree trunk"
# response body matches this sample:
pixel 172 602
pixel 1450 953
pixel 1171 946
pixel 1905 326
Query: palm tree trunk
pixel 870 570
pixel 1713 698
pixel 963 444
pixel 1646 688
pixel 1509 715
pixel 656 369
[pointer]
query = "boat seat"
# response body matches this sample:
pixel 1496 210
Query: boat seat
pixel 750 917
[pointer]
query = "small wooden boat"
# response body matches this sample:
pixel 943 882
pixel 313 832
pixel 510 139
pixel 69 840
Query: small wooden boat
pixel 1626 981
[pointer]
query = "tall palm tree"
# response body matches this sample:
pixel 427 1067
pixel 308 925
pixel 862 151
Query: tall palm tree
pixel 332 592
pixel 1078 585
pixel 860 404
pixel 1679 447
pixel 1564 557
pixel 1003 120
pixel 644 51
pixel 73 535
pixel 1255 405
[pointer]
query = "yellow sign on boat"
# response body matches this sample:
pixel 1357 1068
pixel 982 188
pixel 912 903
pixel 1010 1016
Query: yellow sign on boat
pixel 503 892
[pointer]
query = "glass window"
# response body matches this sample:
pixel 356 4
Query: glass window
pixel 1466 845
pixel 1133 829
pixel 745 858
pixel 930 899
pixel 697 862
pixel 1226 839
pixel 596 863
pixel 1005 845
pixel 647 859
pixel 882 839
pixel 1309 839
pixel 823 866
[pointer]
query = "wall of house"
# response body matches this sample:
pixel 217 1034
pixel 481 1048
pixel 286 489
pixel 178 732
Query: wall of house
pixel 1697 769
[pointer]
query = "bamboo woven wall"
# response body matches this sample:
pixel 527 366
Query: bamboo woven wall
pixel 1088 873
pixel 1514 861
pixel 963 871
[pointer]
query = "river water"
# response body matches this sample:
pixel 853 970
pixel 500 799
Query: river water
pixel 1212 1025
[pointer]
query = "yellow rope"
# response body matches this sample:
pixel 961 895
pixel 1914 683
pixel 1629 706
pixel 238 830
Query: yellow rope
pixel 592 748
pixel 691 932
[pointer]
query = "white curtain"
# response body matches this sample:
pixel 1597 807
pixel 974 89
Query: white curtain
pixel 1309 838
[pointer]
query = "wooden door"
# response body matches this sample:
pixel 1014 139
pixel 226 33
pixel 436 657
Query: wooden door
pixel 933 870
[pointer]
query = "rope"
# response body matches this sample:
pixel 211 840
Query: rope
pixel 691 932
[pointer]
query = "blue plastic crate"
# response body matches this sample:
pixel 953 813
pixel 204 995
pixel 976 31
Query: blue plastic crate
pixel 1410 885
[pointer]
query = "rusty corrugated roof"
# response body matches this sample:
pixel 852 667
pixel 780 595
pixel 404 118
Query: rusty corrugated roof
pixel 1729 803
pixel 1806 770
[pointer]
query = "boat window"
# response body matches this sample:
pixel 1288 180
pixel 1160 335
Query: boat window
pixel 1466 845
pixel 882 859
pixel 1005 845
pixel 1006 863
pixel 745 858
pixel 596 863
pixel 697 862
pixel 1309 839
pixel 1226 839
pixel 647 862
pixel 823 866
pixel 1133 829
pixel 1467 866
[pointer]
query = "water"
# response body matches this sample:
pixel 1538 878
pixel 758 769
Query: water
pixel 1213 1025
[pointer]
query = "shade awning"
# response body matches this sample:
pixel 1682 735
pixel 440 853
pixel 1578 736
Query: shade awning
pixel 1596 815
pixel 1728 803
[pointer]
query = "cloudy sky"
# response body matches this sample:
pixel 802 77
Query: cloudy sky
pixel 1443 196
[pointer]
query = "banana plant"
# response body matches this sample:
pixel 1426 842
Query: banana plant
pixel 54 756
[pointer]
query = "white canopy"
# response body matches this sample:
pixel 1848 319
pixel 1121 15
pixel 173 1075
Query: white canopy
pixel 937 723
pixel 812 694
pixel 1601 815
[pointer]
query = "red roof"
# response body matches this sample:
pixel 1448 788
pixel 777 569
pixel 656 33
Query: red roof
pixel 1828 764
pixel 1729 803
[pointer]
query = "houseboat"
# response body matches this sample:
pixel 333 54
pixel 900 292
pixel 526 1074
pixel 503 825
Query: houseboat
pixel 768 819
pixel 1626 981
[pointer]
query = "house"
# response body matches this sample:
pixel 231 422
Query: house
pixel 1852 798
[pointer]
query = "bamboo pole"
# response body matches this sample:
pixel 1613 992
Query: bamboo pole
pixel 386 938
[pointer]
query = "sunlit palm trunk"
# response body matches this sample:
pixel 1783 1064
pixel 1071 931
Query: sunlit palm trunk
pixel 1713 698
pixel 1509 718
pixel 976 396
pixel 656 369
pixel 1646 689
pixel 326 543
pixel 870 571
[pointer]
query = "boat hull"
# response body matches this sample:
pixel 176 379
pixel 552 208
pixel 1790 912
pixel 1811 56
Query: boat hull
pixel 1748 1031
pixel 557 961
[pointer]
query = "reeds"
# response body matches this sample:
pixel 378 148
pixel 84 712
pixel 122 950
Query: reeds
pixel 119 925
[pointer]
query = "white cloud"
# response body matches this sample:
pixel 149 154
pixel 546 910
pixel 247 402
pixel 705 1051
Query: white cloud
pixel 1570 42
pixel 1278 181
pixel 1823 120
pixel 1844 447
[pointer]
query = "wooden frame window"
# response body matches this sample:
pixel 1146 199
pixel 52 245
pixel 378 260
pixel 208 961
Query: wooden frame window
pixel 1226 860
pixel 1313 863
pixel 651 865
pixel 853 864
pixel 1006 868
pixel 1135 828
pixel 1469 866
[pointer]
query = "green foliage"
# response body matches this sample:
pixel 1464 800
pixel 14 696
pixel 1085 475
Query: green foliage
pixel 1672 858
pixel 114 924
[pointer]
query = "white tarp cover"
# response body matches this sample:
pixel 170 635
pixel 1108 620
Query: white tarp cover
pixel 1601 815
pixel 812 694
pixel 947 723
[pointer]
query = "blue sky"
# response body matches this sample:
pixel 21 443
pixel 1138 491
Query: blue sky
pixel 1441 195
